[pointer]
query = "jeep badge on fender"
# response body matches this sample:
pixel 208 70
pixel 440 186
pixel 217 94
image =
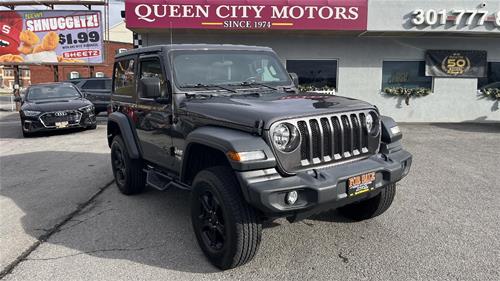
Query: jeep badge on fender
pixel 228 123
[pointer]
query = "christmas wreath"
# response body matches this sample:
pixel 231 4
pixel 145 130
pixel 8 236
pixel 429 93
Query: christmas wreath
pixel 407 93
pixel 491 93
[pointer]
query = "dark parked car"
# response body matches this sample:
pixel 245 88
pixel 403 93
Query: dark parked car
pixel 228 123
pixel 96 90
pixel 55 106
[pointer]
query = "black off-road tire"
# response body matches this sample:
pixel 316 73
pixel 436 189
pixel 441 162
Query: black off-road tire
pixel 241 223
pixel 130 178
pixel 372 207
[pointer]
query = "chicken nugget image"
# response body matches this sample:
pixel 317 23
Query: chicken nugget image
pixel 25 49
pixel 17 58
pixel 49 42
pixel 29 37
pixel 6 58
pixel 11 58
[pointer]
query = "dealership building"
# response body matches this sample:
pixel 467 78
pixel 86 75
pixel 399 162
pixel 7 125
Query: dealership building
pixel 417 60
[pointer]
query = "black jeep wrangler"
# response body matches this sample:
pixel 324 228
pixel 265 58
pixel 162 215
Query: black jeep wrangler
pixel 228 123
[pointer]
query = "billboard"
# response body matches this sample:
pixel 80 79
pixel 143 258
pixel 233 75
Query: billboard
pixel 51 37
pixel 247 14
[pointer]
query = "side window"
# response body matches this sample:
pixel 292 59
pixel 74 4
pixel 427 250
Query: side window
pixel 315 75
pixel 94 85
pixel 124 77
pixel 492 81
pixel 405 74
pixel 151 72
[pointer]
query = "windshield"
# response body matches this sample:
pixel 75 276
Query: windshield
pixel 45 92
pixel 195 68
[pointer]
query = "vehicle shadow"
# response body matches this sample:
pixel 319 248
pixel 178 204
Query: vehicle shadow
pixel 152 228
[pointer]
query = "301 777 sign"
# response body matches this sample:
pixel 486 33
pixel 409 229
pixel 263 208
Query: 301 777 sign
pixel 51 37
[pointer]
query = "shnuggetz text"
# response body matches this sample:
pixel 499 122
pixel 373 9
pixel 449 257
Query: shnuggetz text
pixel 62 23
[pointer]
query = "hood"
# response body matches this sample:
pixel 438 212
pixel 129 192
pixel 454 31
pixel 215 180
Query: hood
pixel 55 105
pixel 247 110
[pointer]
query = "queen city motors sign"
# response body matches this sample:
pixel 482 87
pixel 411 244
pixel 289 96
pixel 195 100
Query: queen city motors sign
pixel 247 14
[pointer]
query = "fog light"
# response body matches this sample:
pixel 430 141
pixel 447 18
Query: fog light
pixel 395 130
pixel 291 197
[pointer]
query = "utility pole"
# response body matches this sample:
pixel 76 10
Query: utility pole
pixel 17 86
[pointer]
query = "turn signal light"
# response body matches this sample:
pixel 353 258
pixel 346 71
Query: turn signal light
pixel 246 156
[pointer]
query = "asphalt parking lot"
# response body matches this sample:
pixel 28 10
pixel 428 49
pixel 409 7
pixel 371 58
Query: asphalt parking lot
pixel 62 218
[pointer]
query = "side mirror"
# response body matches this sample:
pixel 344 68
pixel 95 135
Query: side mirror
pixel 18 99
pixel 150 87
pixel 295 79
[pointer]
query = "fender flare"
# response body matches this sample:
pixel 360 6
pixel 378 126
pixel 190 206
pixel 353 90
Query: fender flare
pixel 225 140
pixel 126 132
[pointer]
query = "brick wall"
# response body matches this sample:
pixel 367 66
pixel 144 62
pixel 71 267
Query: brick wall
pixel 41 74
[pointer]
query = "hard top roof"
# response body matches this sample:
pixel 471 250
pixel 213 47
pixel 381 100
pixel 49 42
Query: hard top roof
pixel 186 47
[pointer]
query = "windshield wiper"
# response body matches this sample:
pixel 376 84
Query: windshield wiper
pixel 208 86
pixel 249 84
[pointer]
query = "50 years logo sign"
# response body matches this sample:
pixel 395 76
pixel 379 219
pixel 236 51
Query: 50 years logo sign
pixel 454 63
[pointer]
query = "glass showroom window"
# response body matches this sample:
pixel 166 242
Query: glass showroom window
pixel 315 75
pixel 405 74
pixel 492 81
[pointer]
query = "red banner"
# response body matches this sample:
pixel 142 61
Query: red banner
pixel 247 14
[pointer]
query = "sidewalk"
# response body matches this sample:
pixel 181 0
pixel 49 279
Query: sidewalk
pixel 6 105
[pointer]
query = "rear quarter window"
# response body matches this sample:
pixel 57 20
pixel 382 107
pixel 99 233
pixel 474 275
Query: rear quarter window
pixel 97 85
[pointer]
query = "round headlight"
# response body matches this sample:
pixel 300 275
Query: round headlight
pixel 372 123
pixel 286 137
pixel 369 122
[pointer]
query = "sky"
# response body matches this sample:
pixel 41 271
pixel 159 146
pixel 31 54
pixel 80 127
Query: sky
pixel 115 6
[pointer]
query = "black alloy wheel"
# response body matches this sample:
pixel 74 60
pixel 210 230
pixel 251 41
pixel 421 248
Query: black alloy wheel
pixel 227 228
pixel 211 221
pixel 119 168
pixel 129 175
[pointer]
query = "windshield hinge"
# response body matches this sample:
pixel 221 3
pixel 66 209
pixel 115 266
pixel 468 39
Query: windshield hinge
pixel 259 125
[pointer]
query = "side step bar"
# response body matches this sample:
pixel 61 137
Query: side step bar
pixel 161 181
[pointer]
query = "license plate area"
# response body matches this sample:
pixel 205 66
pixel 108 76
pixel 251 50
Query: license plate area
pixel 60 125
pixel 360 184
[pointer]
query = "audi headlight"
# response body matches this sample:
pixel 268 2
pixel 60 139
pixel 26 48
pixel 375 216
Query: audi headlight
pixel 87 109
pixel 31 113
pixel 372 122
pixel 285 137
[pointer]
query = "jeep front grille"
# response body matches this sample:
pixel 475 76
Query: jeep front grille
pixel 331 139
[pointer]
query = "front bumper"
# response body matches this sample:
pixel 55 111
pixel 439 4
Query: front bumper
pixel 34 124
pixel 320 189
